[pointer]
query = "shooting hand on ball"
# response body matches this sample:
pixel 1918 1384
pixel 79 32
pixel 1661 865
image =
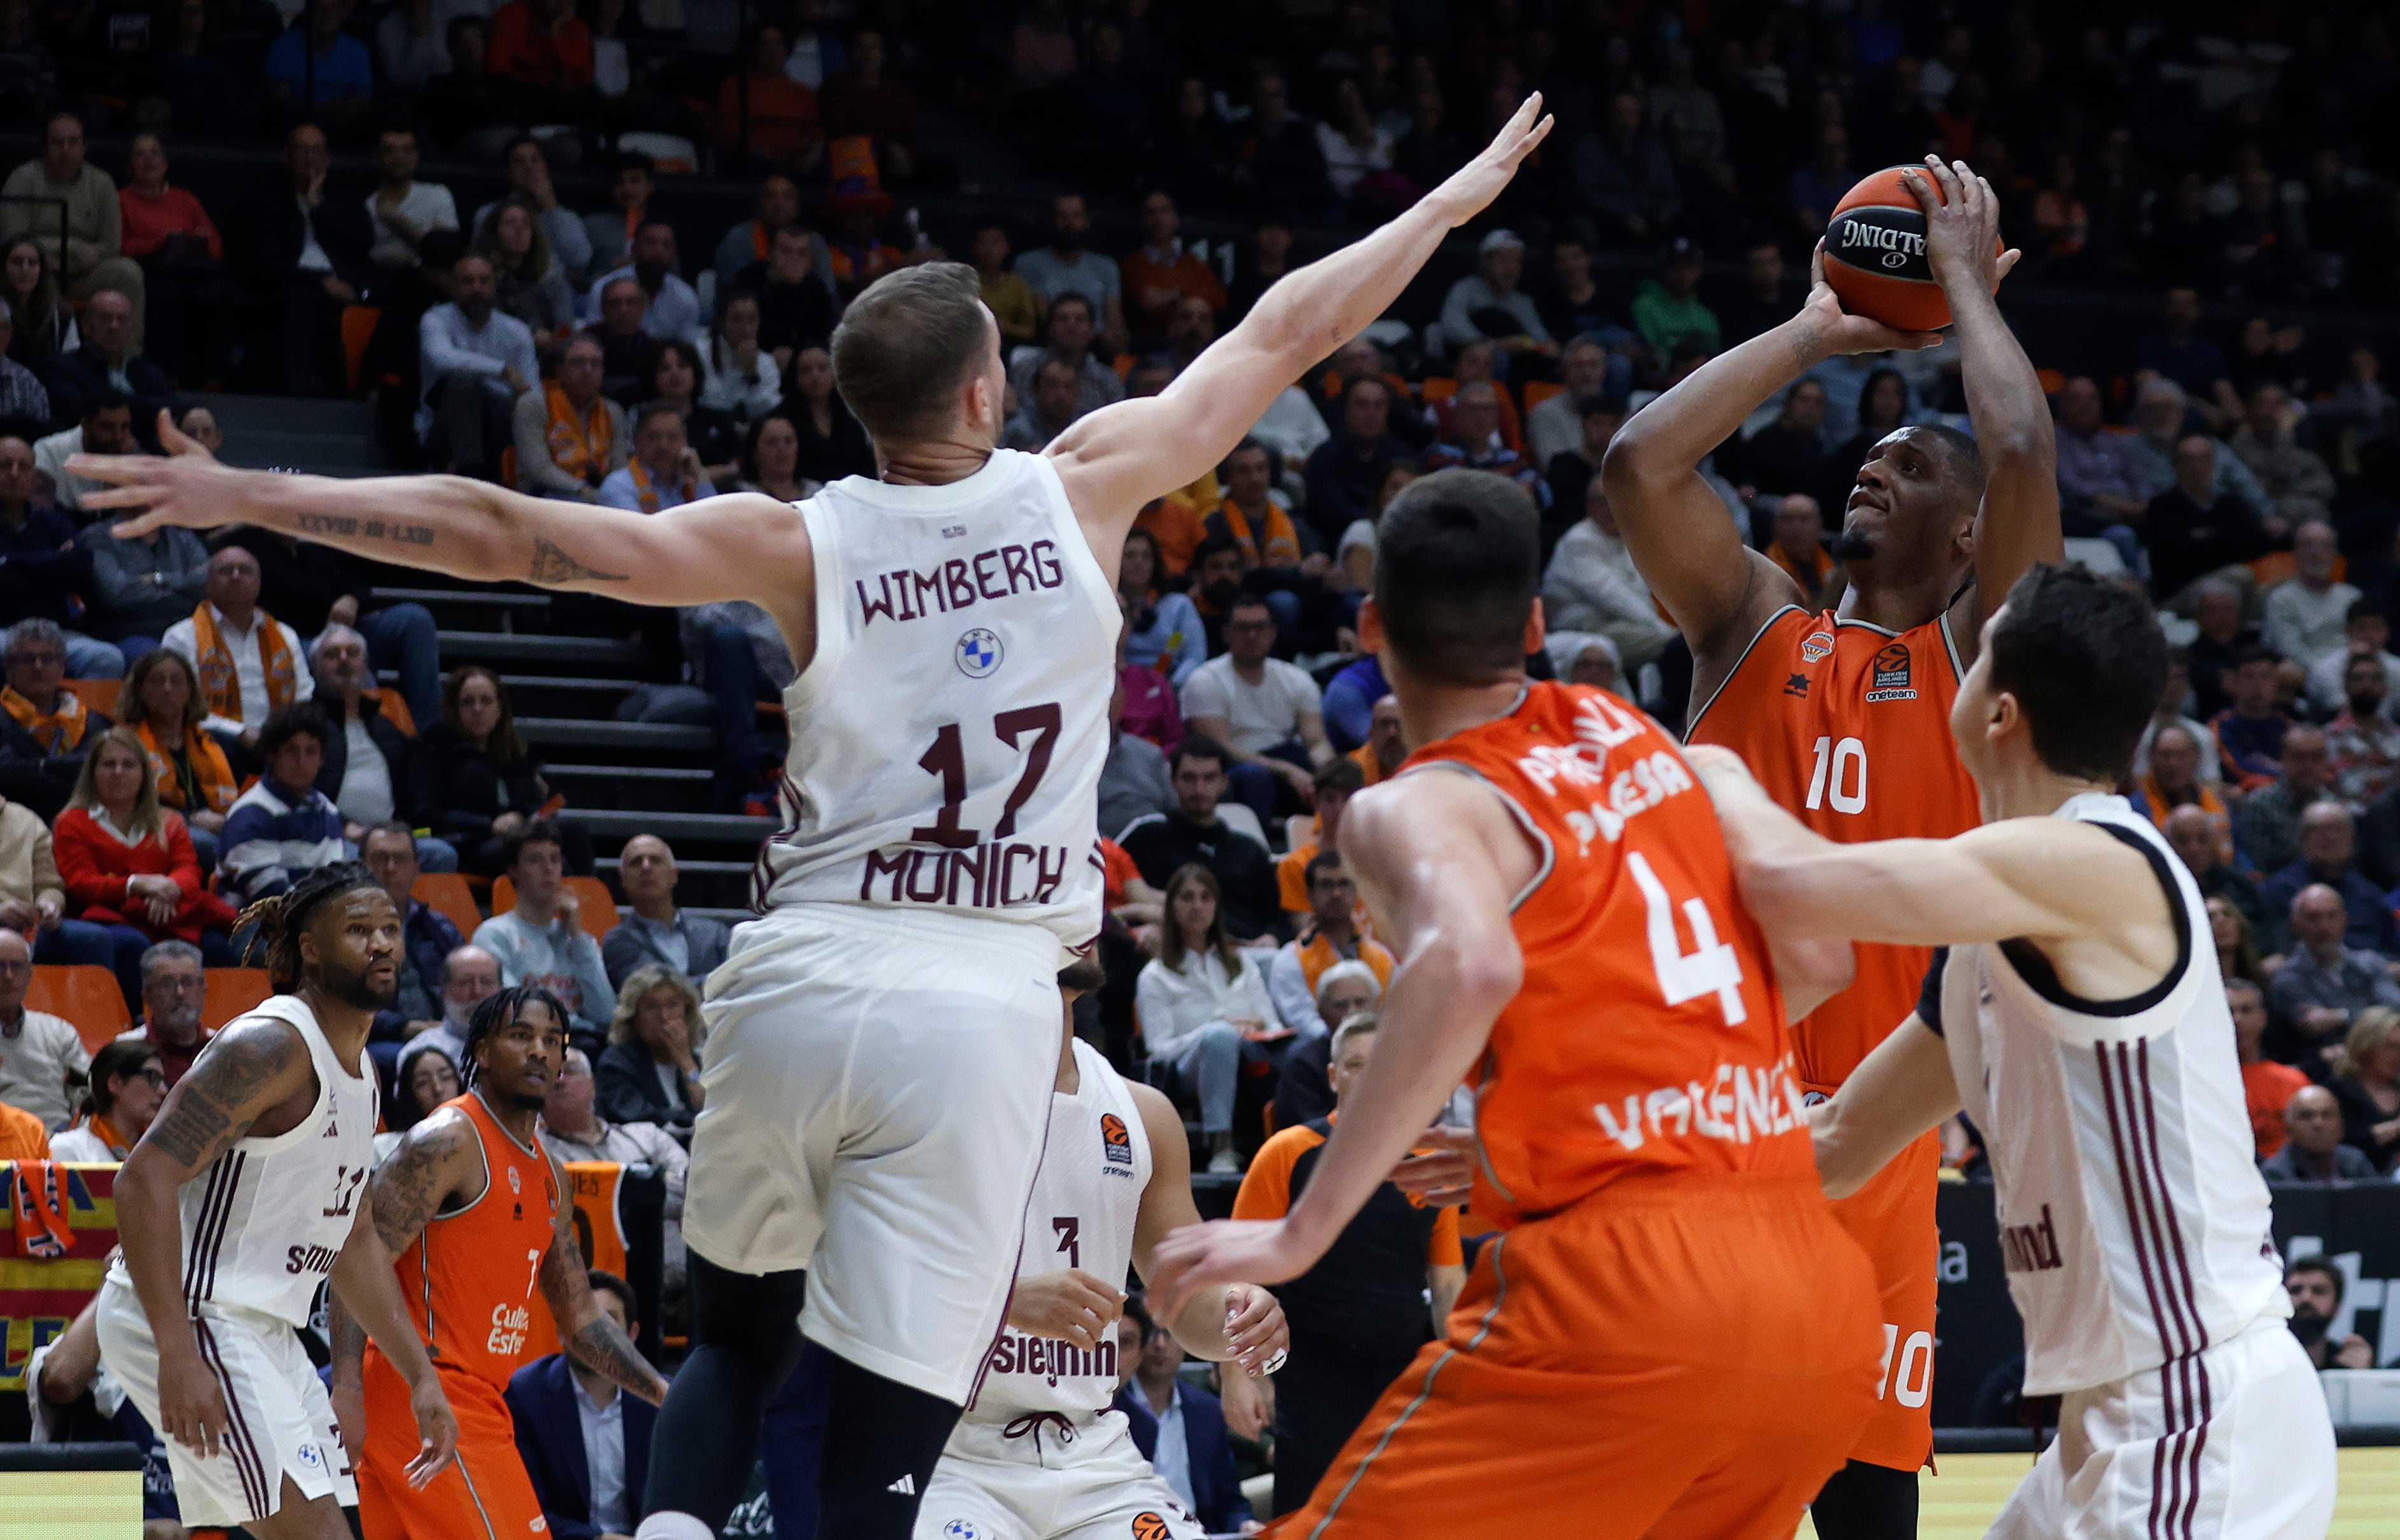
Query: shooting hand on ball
pixel 1962 228
pixel 1834 330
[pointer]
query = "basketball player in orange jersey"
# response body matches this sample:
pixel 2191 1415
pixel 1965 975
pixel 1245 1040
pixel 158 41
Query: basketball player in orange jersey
pixel 1671 1338
pixel 474 1209
pixel 1844 717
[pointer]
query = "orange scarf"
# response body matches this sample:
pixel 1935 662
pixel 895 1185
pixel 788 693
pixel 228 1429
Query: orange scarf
pixel 2161 806
pixel 56 730
pixel 221 686
pixel 209 770
pixel 649 494
pixel 1281 541
pixel 578 446
pixel 106 1132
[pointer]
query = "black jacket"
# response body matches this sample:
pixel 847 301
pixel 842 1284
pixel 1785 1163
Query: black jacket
pixel 629 1090
pixel 397 749
pixel 454 787
pixel 279 233
pixel 40 781
pixel 75 379
pixel 1164 841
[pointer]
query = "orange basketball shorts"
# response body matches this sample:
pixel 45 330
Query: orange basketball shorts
pixel 1892 1219
pixel 483 1496
pixel 1684 1356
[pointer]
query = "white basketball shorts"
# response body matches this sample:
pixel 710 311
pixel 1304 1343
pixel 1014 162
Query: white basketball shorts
pixel 2235 1445
pixel 1043 1483
pixel 281 1420
pixel 877 1094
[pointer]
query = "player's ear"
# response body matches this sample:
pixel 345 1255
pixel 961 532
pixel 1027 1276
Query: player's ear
pixel 1536 627
pixel 1370 626
pixel 2006 717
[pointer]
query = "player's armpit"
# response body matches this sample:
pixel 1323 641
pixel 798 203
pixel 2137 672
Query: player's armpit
pixel 410 1188
pixel 1898 1092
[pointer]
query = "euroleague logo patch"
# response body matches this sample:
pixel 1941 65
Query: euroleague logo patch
pixel 978 654
pixel 1889 679
pixel 1115 1143
pixel 1818 647
pixel 1150 1526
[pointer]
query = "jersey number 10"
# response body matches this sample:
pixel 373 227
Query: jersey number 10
pixel 1840 776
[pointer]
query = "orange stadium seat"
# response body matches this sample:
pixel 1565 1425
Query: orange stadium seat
pixel 358 329
pixel 448 893
pixel 1538 391
pixel 84 994
pixel 598 905
pixel 98 695
pixel 232 992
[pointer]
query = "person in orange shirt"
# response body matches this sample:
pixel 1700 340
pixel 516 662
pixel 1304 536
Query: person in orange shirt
pixel 1248 517
pixel 1161 273
pixel 1380 755
pixel 1670 1337
pixel 472 1206
pixel 541 43
pixel 1799 548
pixel 1843 714
pixel 21 1135
pixel 1335 784
pixel 785 124
pixel 2266 1086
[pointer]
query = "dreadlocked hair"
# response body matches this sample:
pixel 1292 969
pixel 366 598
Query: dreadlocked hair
pixel 499 1011
pixel 278 921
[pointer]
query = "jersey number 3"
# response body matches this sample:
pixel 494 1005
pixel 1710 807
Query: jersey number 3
pixel 947 759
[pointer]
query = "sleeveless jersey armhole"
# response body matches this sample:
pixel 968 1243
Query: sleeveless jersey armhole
pixel 2041 977
pixel 1075 547
pixel 1929 999
pixel 1692 724
pixel 826 563
pixel 1543 849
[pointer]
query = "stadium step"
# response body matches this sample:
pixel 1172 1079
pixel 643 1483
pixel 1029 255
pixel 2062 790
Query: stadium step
pixel 657 788
pixel 326 437
pixel 484 604
pixel 642 737
pixel 667 773
pixel 556 652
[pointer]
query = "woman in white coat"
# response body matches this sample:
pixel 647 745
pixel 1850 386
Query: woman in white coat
pixel 1201 1001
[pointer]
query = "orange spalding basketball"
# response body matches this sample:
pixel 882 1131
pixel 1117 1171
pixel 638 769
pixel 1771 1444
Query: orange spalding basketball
pixel 1874 254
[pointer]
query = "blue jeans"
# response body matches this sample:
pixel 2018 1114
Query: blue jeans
pixel 1257 787
pixel 134 646
pixel 402 638
pixel 736 685
pixel 89 658
pixel 1210 1062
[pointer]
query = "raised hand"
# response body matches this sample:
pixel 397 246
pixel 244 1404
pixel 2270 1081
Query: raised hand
pixel 1962 227
pixel 1471 189
pixel 186 488
pixel 1224 1251
pixel 1840 332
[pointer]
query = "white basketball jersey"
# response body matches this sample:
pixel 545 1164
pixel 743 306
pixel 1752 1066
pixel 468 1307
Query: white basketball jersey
pixel 948 734
pixel 1087 1197
pixel 2134 1224
pixel 265 1222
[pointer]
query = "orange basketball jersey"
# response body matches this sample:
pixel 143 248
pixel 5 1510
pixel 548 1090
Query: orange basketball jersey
pixel 1847 726
pixel 470 1278
pixel 1648 1034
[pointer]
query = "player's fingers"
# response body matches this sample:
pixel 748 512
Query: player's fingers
pixel 2009 259
pixel 171 438
pixel 1943 178
pixel 1920 189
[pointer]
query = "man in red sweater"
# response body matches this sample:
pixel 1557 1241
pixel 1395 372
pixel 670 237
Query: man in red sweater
pixel 183 257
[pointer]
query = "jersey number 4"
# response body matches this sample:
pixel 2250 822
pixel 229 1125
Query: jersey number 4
pixel 947 759
pixel 1711 967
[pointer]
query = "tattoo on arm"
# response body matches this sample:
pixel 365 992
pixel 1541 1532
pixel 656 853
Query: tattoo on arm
pixel 350 1338
pixel 343 526
pixel 600 1344
pixel 552 565
pixel 412 1185
pixel 224 1092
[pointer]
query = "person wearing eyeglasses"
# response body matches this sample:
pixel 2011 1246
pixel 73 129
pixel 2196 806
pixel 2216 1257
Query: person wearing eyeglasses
pixel 174 988
pixel 37 1049
pixel 120 1098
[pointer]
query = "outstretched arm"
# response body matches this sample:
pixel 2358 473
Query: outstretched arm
pixel 2018 523
pixel 1440 856
pixel 1898 1092
pixel 1675 524
pixel 589 1335
pixel 741 546
pixel 1118 458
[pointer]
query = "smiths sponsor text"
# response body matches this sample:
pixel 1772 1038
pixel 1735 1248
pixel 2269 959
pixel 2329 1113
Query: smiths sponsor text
pixel 960 582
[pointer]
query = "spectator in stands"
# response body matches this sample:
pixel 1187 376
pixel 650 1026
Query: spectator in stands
pixel 37 1049
pixel 1592 585
pixel 22 1136
pixel 542 43
pixel 427 937
pixel 1197 832
pixel 1330 937
pixel 2161 410
pixel 571 1124
pixel 2365 633
pixel 2266 1086
pixel 2294 479
pixel 182 256
pixel 475 362
pixel 37 311
pixel 569 437
pixel 664 472
pixel 1554 427
pixel 174 993
pixel 562 228
pixel 1668 311
pixel 2306 616
pixel 740 377
pixel 1346 472
pixel 2201 837
pixel 541 940
pixel 249 663
pixel 2096 479
pixel 629 353
pixel 1474 440
pixel 2172 700
pixel 46 731
pixel 1799 549
pixel 2368 1087
pixel 1336 783
pixel 161 704
pixel 106 426
pixel 93 230
pixel 747 248
pixel 2172 780
pixel 1386 746
pixel 124 1088
pixel 1204 1005
pixel 127 863
pixel 1161 272
pixel 24 402
pixel 283 827
pixel 1005 294
pixel 2315 1154
pixel 631 181
pixel 2329 843
pixel 140 586
pixel 1489 303
pixel 585 1443
pixel 316 69
pixel 650 1070
pixel 529 284
pixel 1070 332
pixel 2250 732
pixel 1570 474
pixel 862 100
pixel 2362 744
pixel 674 308
pixel 2315 1287
pixel 471 780
pixel 1267 713
pixel 314 249
pixel 2268 819
pixel 1789 453
pixel 1360 1314
pixel 1048 406
pixel 1197 1460
pixel 1280 163
pixel 404 210
pixel 2324 984
pixel 365 771
pixel 1064 267
pixel 2192 528
pixel 832 444
pixel 713 434
pixel 425 1079
pixel 469 976
pixel 1621 172
pixel 797 307
pixel 1134 781
pixel 1767 297
pixel 782 125
pixel 1303 1086
pixel 1163 630
pixel 743 661
pixel 658 932
pixel 106 363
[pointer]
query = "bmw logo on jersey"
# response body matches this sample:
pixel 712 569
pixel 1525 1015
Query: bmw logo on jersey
pixel 978 654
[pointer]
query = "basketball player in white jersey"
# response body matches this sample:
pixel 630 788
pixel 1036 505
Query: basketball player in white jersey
pixel 1039 1455
pixel 879 1041
pixel 241 1198
pixel 2079 1020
